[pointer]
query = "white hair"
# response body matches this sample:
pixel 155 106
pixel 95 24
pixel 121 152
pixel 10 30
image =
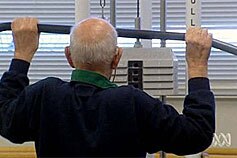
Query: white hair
pixel 88 48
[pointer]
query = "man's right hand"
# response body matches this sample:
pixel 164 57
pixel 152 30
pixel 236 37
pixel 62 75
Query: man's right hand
pixel 198 48
pixel 26 38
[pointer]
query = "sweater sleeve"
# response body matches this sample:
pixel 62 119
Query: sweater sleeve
pixel 182 134
pixel 14 112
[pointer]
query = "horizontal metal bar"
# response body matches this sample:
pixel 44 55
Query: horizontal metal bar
pixel 130 33
pixel 58 29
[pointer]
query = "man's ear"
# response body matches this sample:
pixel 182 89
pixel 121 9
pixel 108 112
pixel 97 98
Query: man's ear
pixel 116 59
pixel 68 56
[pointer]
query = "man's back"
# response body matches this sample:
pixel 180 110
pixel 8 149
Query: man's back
pixel 88 121
pixel 96 118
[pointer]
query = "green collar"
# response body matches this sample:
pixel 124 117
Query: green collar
pixel 92 78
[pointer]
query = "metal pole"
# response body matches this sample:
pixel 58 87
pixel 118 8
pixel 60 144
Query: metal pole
pixel 82 10
pixel 193 13
pixel 138 43
pixel 163 44
pixel 163 20
pixel 113 12
pixel 146 20
pixel 163 154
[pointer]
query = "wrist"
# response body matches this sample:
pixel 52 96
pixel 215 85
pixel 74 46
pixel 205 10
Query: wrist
pixel 21 56
pixel 201 71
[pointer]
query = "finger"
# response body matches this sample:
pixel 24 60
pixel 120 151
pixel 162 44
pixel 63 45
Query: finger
pixel 17 24
pixel 204 32
pixel 34 24
pixel 209 39
pixel 188 34
pixel 14 24
pixel 203 37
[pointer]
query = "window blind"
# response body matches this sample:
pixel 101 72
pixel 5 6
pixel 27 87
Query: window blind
pixel 48 11
pixel 220 17
pixel 49 60
pixel 126 11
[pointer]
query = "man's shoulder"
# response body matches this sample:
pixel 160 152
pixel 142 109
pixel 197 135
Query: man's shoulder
pixel 48 83
pixel 126 90
pixel 51 80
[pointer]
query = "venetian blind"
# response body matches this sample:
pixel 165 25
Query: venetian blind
pixel 220 17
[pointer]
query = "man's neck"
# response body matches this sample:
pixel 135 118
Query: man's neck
pixel 98 68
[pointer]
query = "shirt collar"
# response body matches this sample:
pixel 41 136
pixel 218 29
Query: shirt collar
pixel 92 78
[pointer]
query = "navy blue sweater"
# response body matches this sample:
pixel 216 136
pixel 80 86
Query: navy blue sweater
pixel 87 117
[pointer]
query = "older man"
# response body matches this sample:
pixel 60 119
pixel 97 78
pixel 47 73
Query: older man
pixel 91 116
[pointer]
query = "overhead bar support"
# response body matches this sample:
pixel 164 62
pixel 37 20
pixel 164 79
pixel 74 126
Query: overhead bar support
pixel 163 20
pixel 113 12
pixel 163 44
pixel 82 10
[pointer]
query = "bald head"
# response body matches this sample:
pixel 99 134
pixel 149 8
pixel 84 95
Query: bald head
pixel 93 41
